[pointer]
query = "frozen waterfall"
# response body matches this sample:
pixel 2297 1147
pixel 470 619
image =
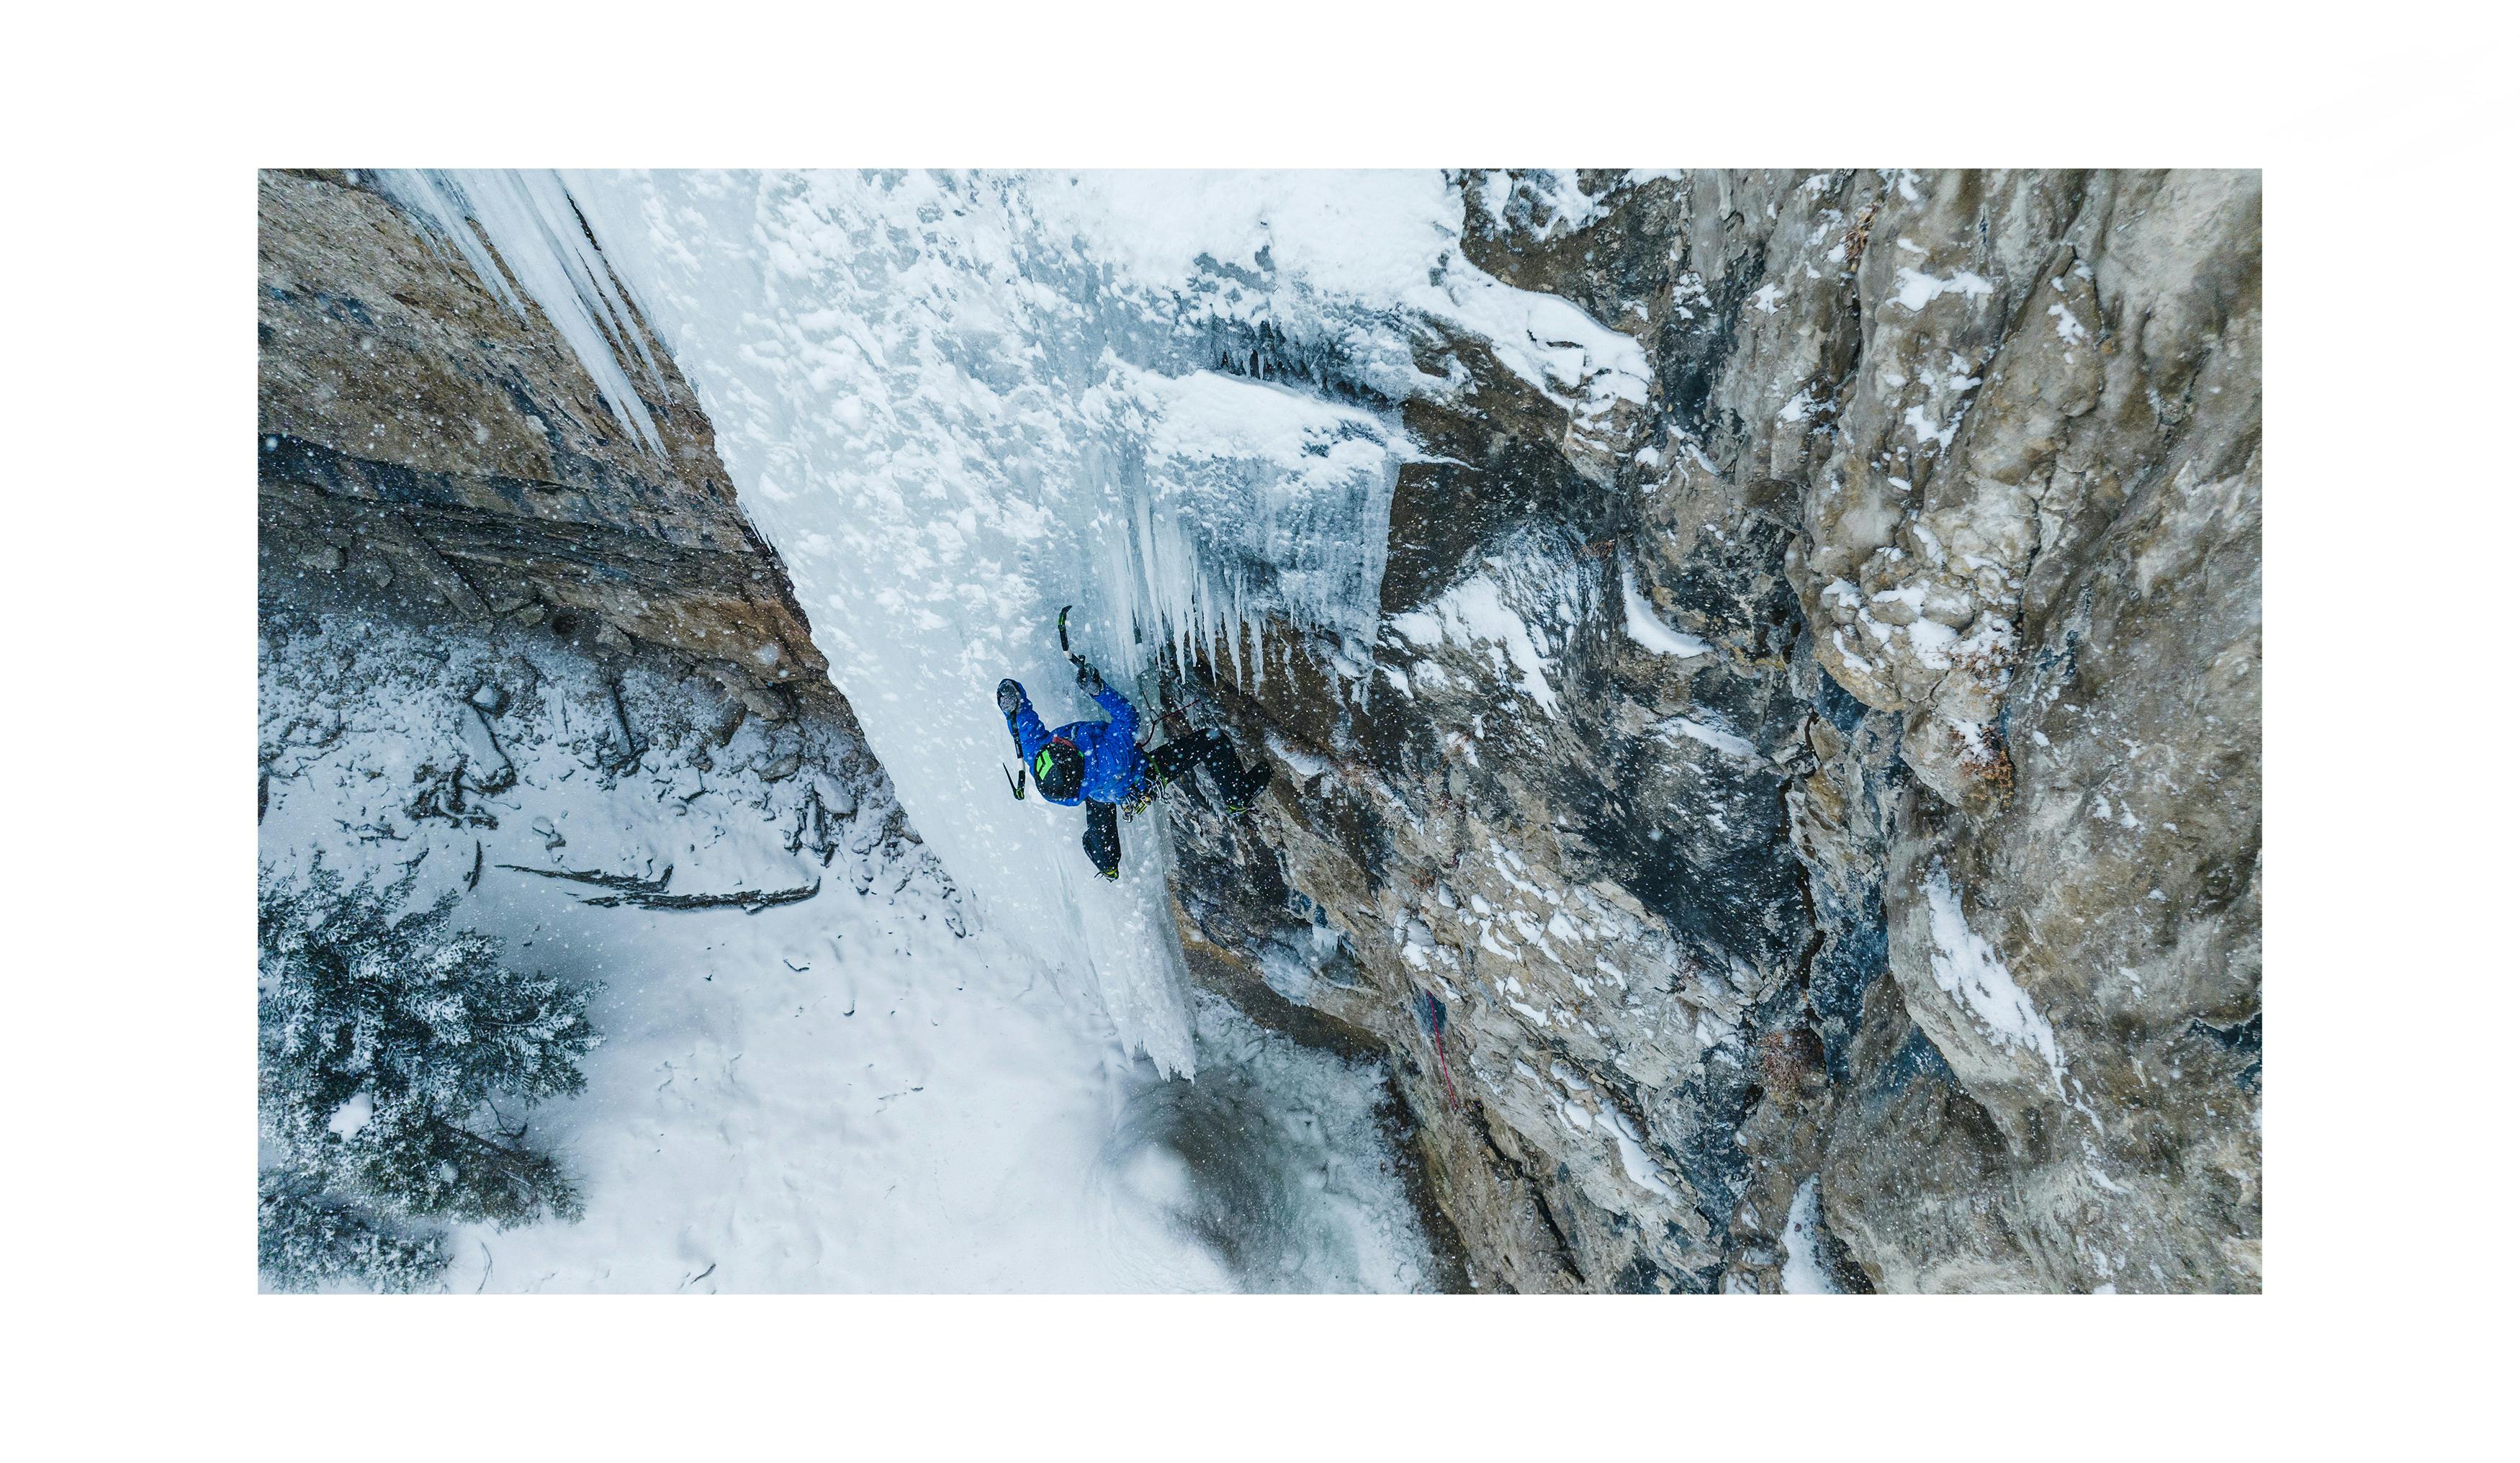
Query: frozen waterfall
pixel 955 403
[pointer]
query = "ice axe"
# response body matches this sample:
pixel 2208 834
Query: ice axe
pixel 1079 660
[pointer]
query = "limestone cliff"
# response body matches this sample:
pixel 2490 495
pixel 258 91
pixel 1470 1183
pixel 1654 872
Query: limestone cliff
pixel 1845 766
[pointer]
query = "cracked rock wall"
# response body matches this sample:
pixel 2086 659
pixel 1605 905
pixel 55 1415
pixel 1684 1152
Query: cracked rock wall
pixel 1843 768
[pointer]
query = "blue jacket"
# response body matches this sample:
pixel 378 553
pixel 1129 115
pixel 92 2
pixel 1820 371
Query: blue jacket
pixel 1114 767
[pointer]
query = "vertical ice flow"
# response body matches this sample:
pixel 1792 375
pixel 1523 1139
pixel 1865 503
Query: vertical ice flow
pixel 538 237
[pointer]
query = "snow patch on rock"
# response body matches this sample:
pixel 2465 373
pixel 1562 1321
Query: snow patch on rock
pixel 1970 971
pixel 1646 628
pixel 1803 1274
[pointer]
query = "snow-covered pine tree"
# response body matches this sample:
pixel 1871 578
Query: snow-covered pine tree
pixel 389 1039
pixel 308 1239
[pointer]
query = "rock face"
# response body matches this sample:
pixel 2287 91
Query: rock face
pixel 428 445
pixel 1844 765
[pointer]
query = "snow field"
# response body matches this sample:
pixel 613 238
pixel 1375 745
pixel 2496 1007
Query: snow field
pixel 840 1094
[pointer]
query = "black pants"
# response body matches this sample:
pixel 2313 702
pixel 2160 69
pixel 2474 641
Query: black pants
pixel 1175 758
pixel 1102 837
pixel 1172 762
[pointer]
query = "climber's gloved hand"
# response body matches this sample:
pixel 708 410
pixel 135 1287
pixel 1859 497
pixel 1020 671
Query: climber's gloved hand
pixel 1009 697
pixel 1088 679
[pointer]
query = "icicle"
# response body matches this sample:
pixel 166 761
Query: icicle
pixel 1259 652
pixel 1237 641
pixel 1186 577
pixel 1218 608
pixel 1189 606
pixel 529 219
pixel 1199 613
pixel 1142 526
pixel 1128 623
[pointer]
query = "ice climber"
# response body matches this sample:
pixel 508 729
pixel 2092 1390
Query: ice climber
pixel 1101 765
